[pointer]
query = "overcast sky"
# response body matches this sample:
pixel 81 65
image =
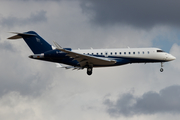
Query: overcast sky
pixel 37 90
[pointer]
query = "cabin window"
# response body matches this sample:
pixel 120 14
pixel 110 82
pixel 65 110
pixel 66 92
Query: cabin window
pixel 143 52
pixel 97 53
pixel 111 53
pixel 101 53
pixel 83 53
pixel 124 52
pixel 133 52
pixel 92 53
pixel 88 53
pixel 148 52
pixel 120 53
pixel 115 53
pixel 160 51
pixel 138 52
pixel 106 53
pixel 129 52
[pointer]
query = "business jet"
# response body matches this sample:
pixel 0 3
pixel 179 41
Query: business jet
pixel 90 58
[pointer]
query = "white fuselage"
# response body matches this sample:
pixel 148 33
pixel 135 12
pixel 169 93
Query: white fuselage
pixel 130 53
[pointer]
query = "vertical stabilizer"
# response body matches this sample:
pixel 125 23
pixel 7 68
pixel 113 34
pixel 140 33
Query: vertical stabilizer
pixel 37 44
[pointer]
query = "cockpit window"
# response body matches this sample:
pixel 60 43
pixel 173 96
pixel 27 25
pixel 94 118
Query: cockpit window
pixel 160 51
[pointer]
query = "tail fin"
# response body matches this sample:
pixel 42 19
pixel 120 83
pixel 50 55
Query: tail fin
pixel 37 44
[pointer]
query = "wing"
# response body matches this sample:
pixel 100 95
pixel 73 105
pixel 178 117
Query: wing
pixel 85 59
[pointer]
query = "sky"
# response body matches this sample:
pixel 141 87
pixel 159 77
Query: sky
pixel 37 90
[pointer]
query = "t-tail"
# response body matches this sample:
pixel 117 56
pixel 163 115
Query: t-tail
pixel 36 43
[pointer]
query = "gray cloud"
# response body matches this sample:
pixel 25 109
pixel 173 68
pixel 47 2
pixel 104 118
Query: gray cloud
pixel 34 0
pixel 5 46
pixel 38 90
pixel 166 101
pixel 30 85
pixel 139 13
pixel 34 18
pixel 16 74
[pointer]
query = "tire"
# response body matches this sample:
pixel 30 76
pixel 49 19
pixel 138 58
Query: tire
pixel 89 70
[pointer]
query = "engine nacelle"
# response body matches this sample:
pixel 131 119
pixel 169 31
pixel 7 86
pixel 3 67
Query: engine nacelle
pixel 54 54
pixel 50 54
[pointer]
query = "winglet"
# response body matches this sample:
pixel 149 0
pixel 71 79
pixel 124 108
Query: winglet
pixel 59 65
pixel 57 45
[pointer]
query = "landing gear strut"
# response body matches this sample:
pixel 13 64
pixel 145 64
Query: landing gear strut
pixel 89 70
pixel 161 67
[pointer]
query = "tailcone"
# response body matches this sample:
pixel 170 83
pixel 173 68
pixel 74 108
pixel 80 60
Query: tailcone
pixel 37 56
pixel 31 56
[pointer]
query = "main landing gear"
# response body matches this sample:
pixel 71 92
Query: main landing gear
pixel 161 67
pixel 89 70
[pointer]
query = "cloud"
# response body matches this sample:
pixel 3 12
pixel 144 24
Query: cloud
pixel 175 50
pixel 139 13
pixel 38 90
pixel 29 85
pixel 33 18
pixel 35 0
pixel 166 101
pixel 6 46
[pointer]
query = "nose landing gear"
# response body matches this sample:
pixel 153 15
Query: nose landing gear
pixel 161 67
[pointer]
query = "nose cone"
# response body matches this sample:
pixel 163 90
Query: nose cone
pixel 171 57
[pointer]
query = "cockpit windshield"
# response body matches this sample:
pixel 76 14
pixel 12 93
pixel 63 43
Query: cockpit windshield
pixel 160 51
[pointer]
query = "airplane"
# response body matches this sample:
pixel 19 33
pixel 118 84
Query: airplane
pixel 90 58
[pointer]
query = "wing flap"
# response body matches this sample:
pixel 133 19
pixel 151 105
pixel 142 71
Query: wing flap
pixel 68 67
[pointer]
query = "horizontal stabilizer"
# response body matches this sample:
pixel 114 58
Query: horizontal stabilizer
pixel 36 43
pixel 19 35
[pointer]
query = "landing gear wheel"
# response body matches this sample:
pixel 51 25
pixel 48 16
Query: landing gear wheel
pixel 161 69
pixel 89 70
